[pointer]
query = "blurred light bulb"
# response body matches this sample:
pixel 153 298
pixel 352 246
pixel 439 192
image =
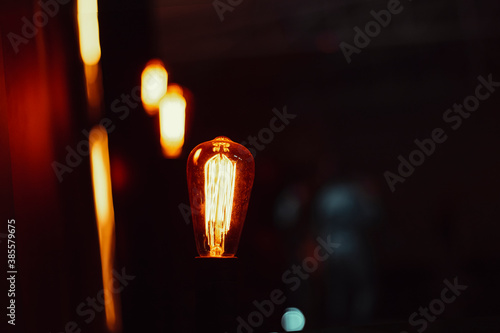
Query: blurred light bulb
pixel 293 320
pixel 220 176
pixel 103 200
pixel 154 80
pixel 172 124
pixel 88 29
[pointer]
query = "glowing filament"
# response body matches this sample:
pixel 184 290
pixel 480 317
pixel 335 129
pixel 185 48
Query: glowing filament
pixel 103 200
pixel 154 81
pixel 172 124
pixel 220 174
pixel 88 29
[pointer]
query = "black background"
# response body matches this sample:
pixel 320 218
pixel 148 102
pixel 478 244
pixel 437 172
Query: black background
pixel 352 122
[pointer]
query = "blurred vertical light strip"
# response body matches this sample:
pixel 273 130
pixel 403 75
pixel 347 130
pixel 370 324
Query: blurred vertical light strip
pixel 94 89
pixel 90 50
pixel 172 123
pixel 103 199
pixel 154 80
pixel 88 29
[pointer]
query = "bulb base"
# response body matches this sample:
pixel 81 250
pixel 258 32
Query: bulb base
pixel 216 294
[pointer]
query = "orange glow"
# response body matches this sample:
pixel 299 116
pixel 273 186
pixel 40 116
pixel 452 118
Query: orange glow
pixel 90 50
pixel 196 156
pixel 88 29
pixel 220 175
pixel 172 124
pixel 220 172
pixel 94 88
pixel 103 200
pixel 91 73
pixel 175 88
pixel 154 82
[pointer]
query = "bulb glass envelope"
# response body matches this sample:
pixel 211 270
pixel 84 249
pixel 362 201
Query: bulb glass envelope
pixel 220 176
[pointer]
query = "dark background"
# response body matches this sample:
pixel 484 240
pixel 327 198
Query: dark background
pixel 352 122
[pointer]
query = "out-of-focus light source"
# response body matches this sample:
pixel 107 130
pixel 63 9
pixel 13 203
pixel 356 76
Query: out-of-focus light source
pixel 90 50
pixel 175 88
pixel 154 82
pixel 88 29
pixel 220 176
pixel 103 200
pixel 172 124
pixel 293 320
pixel 94 88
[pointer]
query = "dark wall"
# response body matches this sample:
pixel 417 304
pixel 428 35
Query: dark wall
pixel 323 174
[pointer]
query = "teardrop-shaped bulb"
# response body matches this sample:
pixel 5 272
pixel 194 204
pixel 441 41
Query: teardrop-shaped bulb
pixel 220 176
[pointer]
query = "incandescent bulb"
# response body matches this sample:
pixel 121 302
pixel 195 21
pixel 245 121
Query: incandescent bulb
pixel 220 176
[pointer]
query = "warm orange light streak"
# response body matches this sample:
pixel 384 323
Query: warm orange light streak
pixel 94 88
pixel 196 156
pixel 88 29
pixel 103 200
pixel 220 173
pixel 154 82
pixel 91 73
pixel 172 124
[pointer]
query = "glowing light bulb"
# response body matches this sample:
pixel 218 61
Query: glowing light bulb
pixel 220 176
pixel 154 80
pixel 88 29
pixel 172 123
